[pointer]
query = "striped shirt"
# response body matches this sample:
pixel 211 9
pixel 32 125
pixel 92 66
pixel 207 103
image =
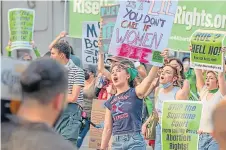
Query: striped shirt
pixel 76 77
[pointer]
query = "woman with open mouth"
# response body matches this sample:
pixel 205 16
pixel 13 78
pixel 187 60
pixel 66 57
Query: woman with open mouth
pixel 211 93
pixel 169 89
pixel 123 116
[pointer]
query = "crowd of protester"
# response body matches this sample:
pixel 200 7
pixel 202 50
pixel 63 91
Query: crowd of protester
pixel 134 96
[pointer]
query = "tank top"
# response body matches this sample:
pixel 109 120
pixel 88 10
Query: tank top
pixel 208 106
pixel 89 95
pixel 161 97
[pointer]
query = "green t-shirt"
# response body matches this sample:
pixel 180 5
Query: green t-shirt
pixel 191 77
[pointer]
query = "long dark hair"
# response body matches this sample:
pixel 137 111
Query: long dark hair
pixel 181 65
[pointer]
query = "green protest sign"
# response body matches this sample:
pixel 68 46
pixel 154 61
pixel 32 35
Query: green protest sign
pixel 180 123
pixel 82 11
pixel 206 50
pixel 108 19
pixel 21 27
pixel 191 16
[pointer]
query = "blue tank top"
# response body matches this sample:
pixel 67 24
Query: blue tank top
pixel 126 111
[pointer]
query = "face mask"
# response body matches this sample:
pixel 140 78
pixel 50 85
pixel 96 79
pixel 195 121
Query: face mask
pixel 186 65
pixel 87 76
pixel 166 85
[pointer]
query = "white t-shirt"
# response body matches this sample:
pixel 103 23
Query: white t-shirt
pixel 208 108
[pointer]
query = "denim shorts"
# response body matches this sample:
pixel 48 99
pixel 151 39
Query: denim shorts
pixel 131 141
pixel 158 136
pixel 206 142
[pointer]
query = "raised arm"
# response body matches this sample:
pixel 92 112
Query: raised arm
pixel 142 88
pixel 142 71
pixel 60 36
pixel 152 86
pixel 183 93
pixel 101 68
pixel 106 135
pixel 199 79
pixel 221 80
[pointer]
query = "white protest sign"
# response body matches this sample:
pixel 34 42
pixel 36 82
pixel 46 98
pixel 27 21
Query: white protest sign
pixel 143 27
pixel 10 78
pixel 90 34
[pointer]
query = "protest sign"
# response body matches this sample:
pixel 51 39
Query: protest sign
pixel 90 43
pixel 192 16
pixel 84 10
pixel 10 78
pixel 206 50
pixel 141 28
pixel 21 27
pixel 97 117
pixel 180 123
pixel 108 19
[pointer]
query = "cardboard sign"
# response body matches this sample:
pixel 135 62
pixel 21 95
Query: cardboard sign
pixel 97 117
pixel 108 20
pixel 10 78
pixel 180 123
pixel 206 50
pixel 191 16
pixel 142 28
pixel 21 27
pixel 90 43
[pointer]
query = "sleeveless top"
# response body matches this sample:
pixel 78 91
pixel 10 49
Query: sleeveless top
pixel 208 106
pixel 126 112
pixel 161 97
pixel 89 95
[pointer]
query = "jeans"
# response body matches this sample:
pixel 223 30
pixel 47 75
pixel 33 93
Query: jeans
pixel 69 123
pixel 83 133
pixel 206 142
pixel 131 141
pixel 158 140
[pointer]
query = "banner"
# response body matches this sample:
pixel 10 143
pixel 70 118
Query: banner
pixel 180 123
pixel 141 28
pixel 192 16
pixel 108 19
pixel 10 78
pixel 84 10
pixel 21 27
pixel 90 34
pixel 206 50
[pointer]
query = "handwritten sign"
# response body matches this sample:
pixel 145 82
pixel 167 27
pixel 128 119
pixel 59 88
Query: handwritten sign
pixel 108 19
pixel 180 123
pixel 10 78
pixel 90 48
pixel 142 28
pixel 21 27
pixel 206 50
